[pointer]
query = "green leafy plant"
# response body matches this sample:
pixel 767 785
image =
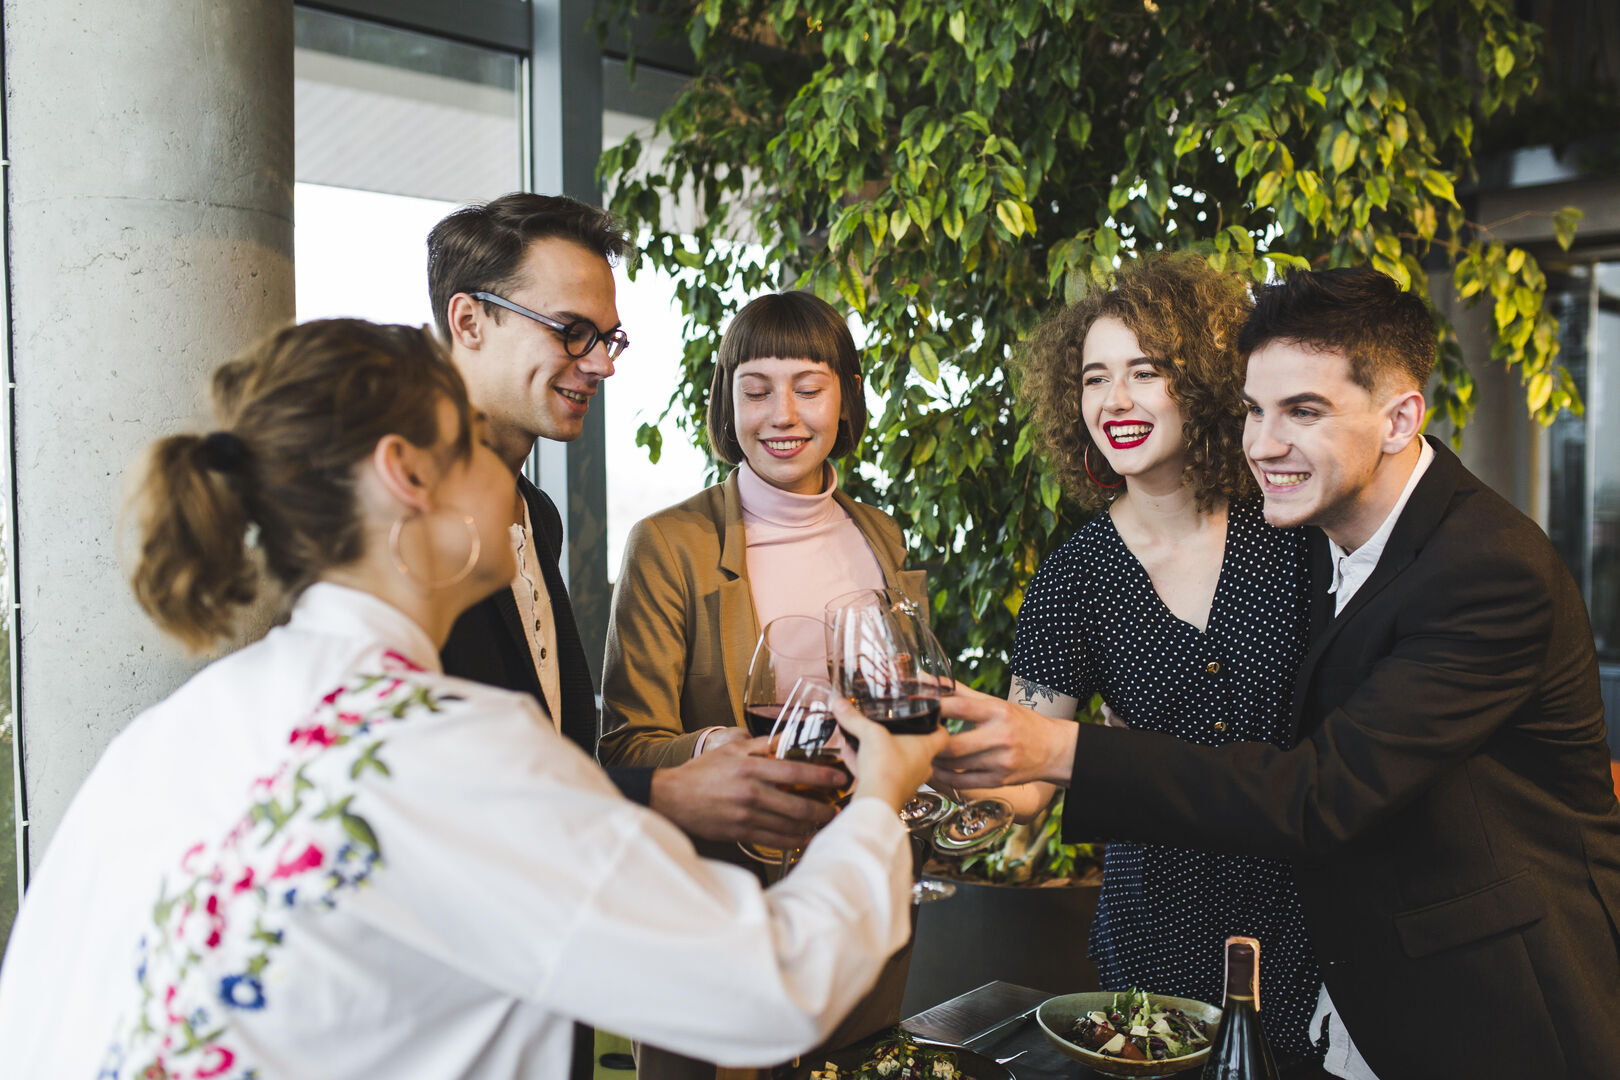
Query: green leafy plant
pixel 948 170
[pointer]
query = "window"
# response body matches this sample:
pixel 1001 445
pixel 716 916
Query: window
pixel 1583 511
pixel 392 130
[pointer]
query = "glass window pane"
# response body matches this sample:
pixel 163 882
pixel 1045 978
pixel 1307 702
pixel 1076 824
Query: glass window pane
pixel 392 130
pixel 1602 403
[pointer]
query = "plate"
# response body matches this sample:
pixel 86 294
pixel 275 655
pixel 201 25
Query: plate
pixel 1058 1014
pixel 975 1066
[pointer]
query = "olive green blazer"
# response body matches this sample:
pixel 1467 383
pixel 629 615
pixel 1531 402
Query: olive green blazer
pixel 683 626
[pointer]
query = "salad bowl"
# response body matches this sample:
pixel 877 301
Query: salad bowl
pixel 1057 1016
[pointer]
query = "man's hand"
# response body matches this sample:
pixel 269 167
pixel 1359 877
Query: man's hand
pixel 1007 744
pixel 729 792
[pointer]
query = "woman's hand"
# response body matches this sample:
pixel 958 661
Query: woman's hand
pixel 1007 744
pixel 889 767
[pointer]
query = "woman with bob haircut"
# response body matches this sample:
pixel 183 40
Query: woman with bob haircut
pixel 1177 603
pixel 776 537
pixel 322 856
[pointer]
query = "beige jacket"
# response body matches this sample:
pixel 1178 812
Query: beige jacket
pixel 683 626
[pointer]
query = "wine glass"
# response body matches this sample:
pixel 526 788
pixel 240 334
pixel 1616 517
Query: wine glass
pixel 883 649
pixel 790 648
pixel 807 730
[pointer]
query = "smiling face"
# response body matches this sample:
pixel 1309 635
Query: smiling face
pixel 787 414
pixel 1127 407
pixel 1323 447
pixel 519 374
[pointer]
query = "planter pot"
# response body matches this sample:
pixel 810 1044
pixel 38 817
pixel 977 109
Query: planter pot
pixel 1035 937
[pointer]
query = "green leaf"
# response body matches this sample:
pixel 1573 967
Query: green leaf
pixel 1504 63
pixel 1265 192
pixel 925 361
pixel 1187 141
pixel 1564 222
pixel 1344 151
pixel 1439 185
pixel 1010 216
pixel 1350 83
pixel 1539 391
pixel 957 26
pixel 1363 27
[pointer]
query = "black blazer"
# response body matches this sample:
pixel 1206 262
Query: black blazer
pixel 1448 807
pixel 487 644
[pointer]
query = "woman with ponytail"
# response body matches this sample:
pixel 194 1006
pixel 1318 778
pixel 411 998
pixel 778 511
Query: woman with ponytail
pixel 323 857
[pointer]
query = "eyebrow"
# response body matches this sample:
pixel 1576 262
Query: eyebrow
pixel 1134 362
pixel 574 316
pixel 1307 398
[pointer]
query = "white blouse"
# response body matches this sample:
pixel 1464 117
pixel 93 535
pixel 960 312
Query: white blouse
pixel 321 857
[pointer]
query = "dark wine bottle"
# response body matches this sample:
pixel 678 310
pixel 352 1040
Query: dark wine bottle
pixel 1240 1051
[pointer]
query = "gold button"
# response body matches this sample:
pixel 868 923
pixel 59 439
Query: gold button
pixel 1220 725
pixel 1213 668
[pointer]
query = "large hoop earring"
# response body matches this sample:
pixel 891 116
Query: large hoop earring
pixel 459 576
pixel 1085 459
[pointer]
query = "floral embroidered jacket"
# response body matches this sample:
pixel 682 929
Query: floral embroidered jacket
pixel 321 857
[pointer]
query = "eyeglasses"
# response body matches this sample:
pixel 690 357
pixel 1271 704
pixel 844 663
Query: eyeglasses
pixel 579 337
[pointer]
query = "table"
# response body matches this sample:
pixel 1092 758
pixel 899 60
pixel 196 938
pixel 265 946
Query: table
pixel 998 1021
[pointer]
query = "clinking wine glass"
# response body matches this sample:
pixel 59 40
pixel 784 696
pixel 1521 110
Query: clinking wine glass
pixel 790 648
pixel 807 730
pixel 887 660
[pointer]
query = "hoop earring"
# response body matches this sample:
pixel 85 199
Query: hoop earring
pixel 459 576
pixel 1085 459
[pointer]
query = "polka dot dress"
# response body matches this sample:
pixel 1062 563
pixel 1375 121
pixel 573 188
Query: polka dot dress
pixel 1091 622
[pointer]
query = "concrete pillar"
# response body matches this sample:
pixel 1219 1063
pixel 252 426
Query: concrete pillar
pixel 149 220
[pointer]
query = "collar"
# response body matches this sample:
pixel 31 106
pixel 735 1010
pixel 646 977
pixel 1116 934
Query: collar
pixel 1354 566
pixel 772 505
pixel 328 608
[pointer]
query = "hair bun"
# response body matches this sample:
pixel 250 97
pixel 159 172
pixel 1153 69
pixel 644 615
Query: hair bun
pixel 223 452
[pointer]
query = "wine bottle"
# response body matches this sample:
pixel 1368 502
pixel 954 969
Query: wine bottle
pixel 1240 1051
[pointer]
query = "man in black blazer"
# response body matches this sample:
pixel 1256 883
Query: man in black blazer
pixel 1448 805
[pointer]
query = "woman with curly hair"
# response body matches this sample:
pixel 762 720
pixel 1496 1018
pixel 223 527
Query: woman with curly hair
pixel 1178 604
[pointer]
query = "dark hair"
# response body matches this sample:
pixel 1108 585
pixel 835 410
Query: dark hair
pixel 1186 318
pixel 793 325
pixel 1385 333
pixel 297 412
pixel 480 247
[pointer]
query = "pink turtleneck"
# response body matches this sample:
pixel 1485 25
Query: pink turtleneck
pixel 803 550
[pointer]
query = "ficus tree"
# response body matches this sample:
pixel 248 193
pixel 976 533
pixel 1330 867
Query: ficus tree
pixel 948 170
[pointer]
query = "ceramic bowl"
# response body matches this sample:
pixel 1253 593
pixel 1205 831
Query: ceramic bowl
pixel 1057 1016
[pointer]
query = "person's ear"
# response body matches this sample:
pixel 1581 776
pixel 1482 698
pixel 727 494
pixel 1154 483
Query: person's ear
pixel 407 472
pixel 1403 420
pixel 467 322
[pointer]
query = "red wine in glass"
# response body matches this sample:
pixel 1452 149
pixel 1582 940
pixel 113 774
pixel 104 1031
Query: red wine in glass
pixel 760 719
pixel 912 714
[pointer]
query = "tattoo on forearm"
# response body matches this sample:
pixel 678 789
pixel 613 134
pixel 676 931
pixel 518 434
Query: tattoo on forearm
pixel 1030 693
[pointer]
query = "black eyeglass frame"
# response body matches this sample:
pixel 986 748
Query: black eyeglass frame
pixel 617 340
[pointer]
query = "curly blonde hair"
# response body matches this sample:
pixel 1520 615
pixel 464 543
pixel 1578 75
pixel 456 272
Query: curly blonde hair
pixel 1186 317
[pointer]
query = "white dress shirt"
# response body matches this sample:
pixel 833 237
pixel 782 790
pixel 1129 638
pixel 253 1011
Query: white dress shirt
pixel 1350 571
pixel 322 858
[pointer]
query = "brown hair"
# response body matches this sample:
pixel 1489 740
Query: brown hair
pixel 1386 334
pixel 480 247
pixel 796 326
pixel 1186 317
pixel 297 412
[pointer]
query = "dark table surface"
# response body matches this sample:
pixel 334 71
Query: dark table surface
pixel 998 1021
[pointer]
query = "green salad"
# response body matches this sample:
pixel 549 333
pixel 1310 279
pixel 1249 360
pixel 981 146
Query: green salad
pixel 1135 1029
pixel 898 1057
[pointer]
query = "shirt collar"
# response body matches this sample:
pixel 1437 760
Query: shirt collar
pixel 337 609
pixel 788 509
pixel 1351 568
